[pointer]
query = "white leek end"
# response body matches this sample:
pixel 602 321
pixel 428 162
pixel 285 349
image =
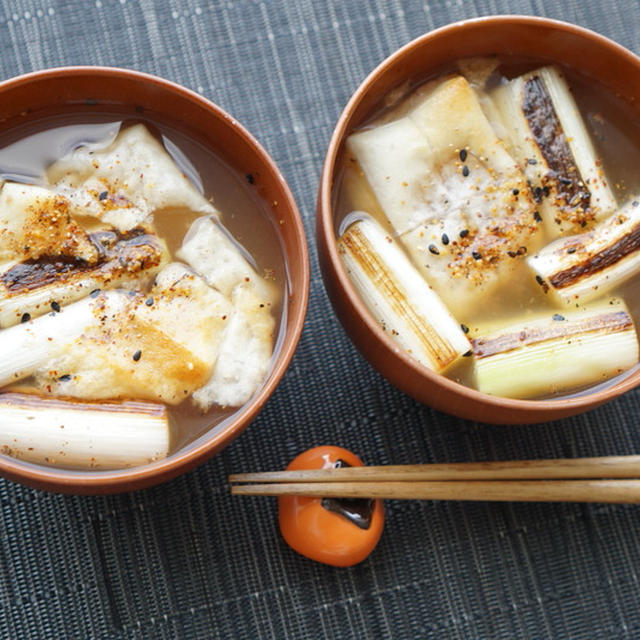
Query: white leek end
pixel 586 266
pixel 399 299
pixel 555 353
pixel 82 435
pixel 29 345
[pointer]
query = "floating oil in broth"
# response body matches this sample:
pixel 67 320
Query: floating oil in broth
pixel 27 150
pixel 614 126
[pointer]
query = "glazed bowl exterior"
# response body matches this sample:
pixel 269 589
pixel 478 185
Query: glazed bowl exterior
pixel 548 41
pixel 140 95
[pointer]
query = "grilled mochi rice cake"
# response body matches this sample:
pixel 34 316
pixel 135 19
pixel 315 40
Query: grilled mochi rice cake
pixel 447 187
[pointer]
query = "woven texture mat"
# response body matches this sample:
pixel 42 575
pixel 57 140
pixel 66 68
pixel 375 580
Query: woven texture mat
pixel 185 560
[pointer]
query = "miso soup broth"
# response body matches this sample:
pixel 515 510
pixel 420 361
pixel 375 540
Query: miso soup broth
pixel 366 188
pixel 27 151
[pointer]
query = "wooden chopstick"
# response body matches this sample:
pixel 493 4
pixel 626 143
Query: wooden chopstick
pixel 613 491
pixel 613 479
pixel 571 468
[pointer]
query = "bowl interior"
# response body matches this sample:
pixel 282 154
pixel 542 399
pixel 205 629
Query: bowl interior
pixel 139 96
pixel 520 37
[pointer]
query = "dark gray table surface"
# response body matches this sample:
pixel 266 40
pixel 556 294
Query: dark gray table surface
pixel 185 560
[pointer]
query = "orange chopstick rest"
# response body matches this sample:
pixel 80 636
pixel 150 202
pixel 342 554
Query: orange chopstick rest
pixel 336 531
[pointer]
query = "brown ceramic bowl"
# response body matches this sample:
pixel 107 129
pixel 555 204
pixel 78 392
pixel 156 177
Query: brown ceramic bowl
pixel 532 38
pixel 130 94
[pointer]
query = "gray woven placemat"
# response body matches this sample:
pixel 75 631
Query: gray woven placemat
pixel 184 560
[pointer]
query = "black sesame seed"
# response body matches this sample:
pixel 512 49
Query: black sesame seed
pixel 465 171
pixel 565 181
pixel 476 255
pixel 464 328
pixel 250 178
pixel 103 195
pixel 149 302
pixel 532 161
pixel 55 306
pixel 634 203
pixel 463 155
pixel 25 317
pixel 65 378
pixel 515 191
pixel 536 216
pixel 95 293
pixel 137 355
pixel 537 194
pixel 445 238
pixel 557 316
pixel 464 233
pixel 467 354
pixel 539 280
pixel 545 190
pixel 571 250
pixel 434 249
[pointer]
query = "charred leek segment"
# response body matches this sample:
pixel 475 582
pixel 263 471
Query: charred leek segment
pixel 34 287
pixel 400 300
pixel 81 435
pixel 30 345
pixel 451 191
pixel 556 353
pixel 124 182
pixel 586 266
pixel 550 140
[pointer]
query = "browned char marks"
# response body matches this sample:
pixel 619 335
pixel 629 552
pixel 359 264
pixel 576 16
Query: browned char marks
pixel 592 264
pixel 377 271
pixel 572 195
pixel 604 323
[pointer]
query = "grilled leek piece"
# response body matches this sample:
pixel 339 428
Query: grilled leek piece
pixel 451 192
pixel 585 266
pixel 397 296
pixel 551 354
pixel 124 182
pixel 33 287
pixel 29 346
pixel 550 140
pixel 82 435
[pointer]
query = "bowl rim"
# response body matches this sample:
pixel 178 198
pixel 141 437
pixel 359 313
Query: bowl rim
pixel 325 234
pixel 121 480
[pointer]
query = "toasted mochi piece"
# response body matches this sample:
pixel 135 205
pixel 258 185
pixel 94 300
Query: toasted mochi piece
pixel 209 249
pixel 162 347
pixel 451 191
pixel 34 287
pixel 124 182
pixel 245 352
pixel 36 222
